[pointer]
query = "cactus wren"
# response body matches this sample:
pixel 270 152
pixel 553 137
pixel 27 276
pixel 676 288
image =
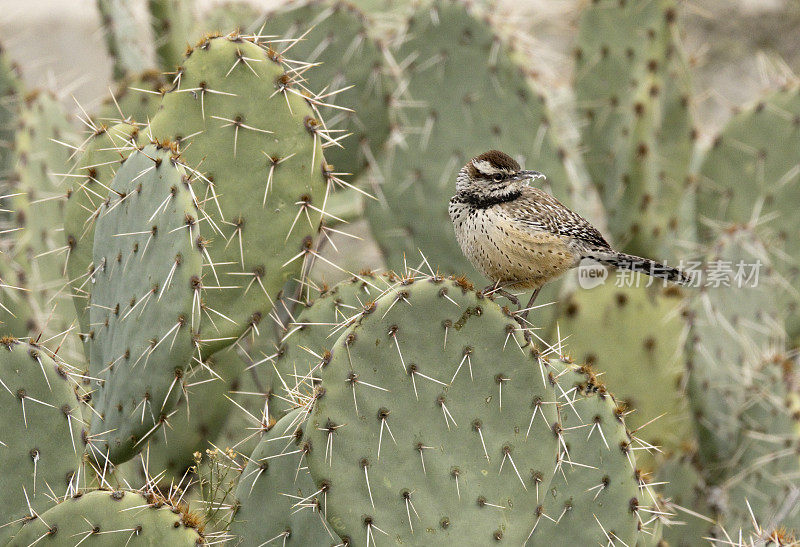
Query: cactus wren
pixel 521 237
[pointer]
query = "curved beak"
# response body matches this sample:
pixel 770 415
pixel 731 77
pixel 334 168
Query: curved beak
pixel 530 175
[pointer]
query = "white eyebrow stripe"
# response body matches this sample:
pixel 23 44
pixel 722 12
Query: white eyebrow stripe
pixel 487 168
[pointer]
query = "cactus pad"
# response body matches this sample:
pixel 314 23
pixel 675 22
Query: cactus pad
pixel 108 519
pixel 40 433
pixel 751 172
pixel 42 153
pixel 145 299
pixel 632 90
pixel 252 142
pixel 276 493
pixel 432 426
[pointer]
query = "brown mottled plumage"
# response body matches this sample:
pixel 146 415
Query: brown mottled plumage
pixel 521 237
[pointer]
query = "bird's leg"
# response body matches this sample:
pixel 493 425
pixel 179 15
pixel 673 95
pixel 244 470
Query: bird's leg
pixel 521 316
pixel 530 303
pixel 495 289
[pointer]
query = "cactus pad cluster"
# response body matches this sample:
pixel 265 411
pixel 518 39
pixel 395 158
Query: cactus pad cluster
pixel 185 359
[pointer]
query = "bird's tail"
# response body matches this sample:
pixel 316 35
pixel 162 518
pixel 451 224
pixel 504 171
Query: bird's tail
pixel 639 264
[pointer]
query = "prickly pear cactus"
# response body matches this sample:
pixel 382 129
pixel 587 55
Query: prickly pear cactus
pixel 722 361
pixel 433 425
pixel 457 88
pixel 145 303
pixel 171 21
pixel 103 518
pixel 253 145
pixel 136 99
pixel 685 499
pixel 633 93
pixel 276 478
pixel 646 366
pixel 761 486
pixel 10 88
pixel 86 193
pixel 289 362
pixel 199 416
pixel 40 433
pixel 750 173
pixel 334 34
pixel 42 161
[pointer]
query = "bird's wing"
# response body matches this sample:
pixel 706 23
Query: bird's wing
pixel 539 210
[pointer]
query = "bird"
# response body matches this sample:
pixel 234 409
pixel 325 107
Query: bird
pixel 521 237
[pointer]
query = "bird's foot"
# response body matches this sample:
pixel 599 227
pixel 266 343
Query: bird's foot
pixel 525 327
pixel 494 289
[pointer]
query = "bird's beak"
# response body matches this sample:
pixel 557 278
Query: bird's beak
pixel 530 175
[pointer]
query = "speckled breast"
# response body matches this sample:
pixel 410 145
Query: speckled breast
pixel 507 251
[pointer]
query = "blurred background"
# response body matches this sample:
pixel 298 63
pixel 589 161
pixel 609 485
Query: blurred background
pixel 738 48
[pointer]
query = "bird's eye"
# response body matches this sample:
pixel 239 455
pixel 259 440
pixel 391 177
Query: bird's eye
pixel 497 177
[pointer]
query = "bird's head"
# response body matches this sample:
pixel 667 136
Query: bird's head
pixel 493 177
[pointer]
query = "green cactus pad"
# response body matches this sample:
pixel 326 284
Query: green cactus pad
pixel 109 519
pixel 136 99
pixel 594 496
pixel 334 34
pixel 275 493
pixel 750 172
pixel 454 99
pixel 685 497
pixel 86 193
pixel 738 374
pixel 610 69
pixel 646 366
pixel 761 483
pixel 253 144
pixel 40 433
pixel 633 92
pixel 43 159
pixel 289 361
pixel 145 300
pixel 432 426
pixel 732 331
pixel 39 174
pixel 431 420
pixel 200 415
pixel 171 21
